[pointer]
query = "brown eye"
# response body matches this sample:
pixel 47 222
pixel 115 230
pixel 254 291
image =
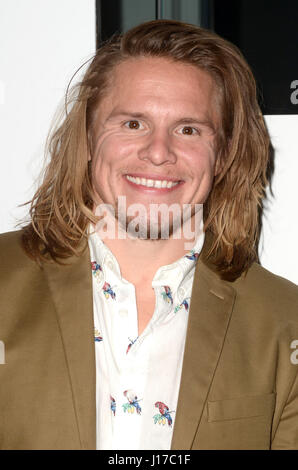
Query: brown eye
pixel 188 130
pixel 133 124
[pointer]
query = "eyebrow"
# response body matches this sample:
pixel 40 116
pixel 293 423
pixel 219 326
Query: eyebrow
pixel 186 120
pixel 119 113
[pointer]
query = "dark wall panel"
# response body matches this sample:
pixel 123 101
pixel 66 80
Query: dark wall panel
pixel 267 34
pixel 266 31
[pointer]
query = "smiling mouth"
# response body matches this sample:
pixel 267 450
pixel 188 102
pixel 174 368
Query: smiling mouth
pixel 150 183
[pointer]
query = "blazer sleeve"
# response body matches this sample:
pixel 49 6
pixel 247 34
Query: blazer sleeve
pixel 286 435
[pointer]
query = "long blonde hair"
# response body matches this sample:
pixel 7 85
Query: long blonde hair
pixel 61 209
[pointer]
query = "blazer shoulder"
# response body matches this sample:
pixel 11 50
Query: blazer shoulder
pixel 258 275
pixel 12 252
pixel 273 292
pixel 9 238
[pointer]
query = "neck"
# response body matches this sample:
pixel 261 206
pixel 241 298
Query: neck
pixel 139 259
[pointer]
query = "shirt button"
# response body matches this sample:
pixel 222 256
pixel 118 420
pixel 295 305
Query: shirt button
pixel 110 265
pixel 181 292
pixel 123 313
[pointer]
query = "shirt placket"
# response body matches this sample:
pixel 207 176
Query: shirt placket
pixel 131 380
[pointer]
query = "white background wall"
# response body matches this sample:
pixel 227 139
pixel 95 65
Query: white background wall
pixel 42 43
pixel 279 241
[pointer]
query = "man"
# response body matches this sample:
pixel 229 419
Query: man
pixel 116 339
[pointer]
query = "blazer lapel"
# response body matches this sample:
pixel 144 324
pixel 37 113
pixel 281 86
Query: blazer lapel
pixel 210 311
pixel 71 288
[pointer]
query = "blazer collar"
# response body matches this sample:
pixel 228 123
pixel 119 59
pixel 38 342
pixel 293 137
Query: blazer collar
pixel 71 289
pixel 210 311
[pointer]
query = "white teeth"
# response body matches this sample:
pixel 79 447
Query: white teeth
pixel 152 183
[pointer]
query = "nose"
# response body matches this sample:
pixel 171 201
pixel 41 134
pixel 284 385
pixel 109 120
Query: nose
pixel 158 148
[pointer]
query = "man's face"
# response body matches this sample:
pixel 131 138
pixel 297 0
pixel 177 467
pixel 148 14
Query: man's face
pixel 154 134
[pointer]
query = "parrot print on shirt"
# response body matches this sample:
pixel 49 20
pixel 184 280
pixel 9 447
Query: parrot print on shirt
pixel 184 304
pixel 113 405
pixel 96 269
pixel 97 335
pixel 193 256
pixel 167 294
pixel 130 344
pixel 164 414
pixel 133 402
pixel 107 290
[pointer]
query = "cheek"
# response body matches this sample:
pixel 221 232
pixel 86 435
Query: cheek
pixel 201 160
pixel 112 151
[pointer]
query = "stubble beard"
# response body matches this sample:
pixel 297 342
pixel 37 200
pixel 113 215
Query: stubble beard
pixel 146 226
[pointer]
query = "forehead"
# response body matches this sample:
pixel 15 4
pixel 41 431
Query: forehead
pixel 160 82
pixel 159 68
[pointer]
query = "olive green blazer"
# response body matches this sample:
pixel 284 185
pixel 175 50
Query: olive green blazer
pixel 239 387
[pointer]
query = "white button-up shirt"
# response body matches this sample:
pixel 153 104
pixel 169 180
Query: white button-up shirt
pixel 138 377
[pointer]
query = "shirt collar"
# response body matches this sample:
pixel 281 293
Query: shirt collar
pixel 172 275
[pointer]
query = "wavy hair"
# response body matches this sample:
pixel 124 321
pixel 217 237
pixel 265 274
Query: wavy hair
pixel 61 209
